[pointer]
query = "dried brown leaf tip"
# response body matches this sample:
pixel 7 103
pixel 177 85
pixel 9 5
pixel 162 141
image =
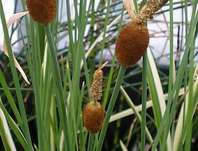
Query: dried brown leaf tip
pixel 42 11
pixel 93 116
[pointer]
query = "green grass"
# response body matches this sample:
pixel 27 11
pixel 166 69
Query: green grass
pixel 61 78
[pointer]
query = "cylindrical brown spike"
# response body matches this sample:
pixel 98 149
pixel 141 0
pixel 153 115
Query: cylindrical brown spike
pixel 42 11
pixel 132 43
pixel 93 116
pixel 133 39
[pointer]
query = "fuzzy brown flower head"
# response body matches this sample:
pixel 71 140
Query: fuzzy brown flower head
pixel 93 116
pixel 42 11
pixel 132 43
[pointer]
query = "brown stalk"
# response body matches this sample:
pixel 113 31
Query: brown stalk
pixel 149 10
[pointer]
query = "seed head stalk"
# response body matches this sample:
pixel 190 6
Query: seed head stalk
pixel 149 10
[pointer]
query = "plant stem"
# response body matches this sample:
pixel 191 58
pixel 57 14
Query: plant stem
pixel 110 107
pixel 24 125
pixel 144 99
pixel 58 82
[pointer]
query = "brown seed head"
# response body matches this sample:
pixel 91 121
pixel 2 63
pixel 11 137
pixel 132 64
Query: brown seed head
pixel 132 43
pixel 93 116
pixel 42 11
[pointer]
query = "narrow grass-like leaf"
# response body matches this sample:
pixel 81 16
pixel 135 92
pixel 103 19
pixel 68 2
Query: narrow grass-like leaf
pixel 10 98
pixel 157 93
pixel 5 133
pixel 128 112
pixel 144 100
pixel 24 126
pixel 110 108
pixel 17 132
pixel 136 112
pixel 173 95
pixel 59 89
pixel 124 148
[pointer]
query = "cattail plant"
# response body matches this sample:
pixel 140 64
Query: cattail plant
pixel 93 112
pixel 47 115
pixel 131 43
pixel 133 39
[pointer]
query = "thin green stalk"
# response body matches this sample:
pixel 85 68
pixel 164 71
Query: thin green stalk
pixel 91 142
pixel 173 95
pixel 17 132
pixel 188 141
pixel 171 76
pixel 155 97
pixel 37 83
pixel 58 82
pixel 5 134
pixel 190 104
pixel 108 86
pixel 10 98
pixel 144 100
pixel 24 125
pixel 171 66
pixel 110 108
pixel 104 30
pixel 137 114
